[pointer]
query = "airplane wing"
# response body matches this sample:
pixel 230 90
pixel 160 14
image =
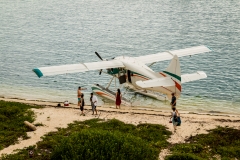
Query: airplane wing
pixel 193 77
pixel 165 81
pixel 169 54
pixel 72 68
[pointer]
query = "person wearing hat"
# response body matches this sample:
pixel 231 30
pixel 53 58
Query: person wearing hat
pixel 174 101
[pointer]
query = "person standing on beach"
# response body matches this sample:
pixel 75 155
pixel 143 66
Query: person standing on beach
pixel 93 100
pixel 118 98
pixel 79 93
pixel 174 118
pixel 82 104
pixel 174 101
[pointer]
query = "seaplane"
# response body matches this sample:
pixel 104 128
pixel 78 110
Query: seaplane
pixel 135 73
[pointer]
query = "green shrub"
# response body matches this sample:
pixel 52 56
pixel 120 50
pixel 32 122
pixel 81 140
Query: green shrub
pixel 100 144
pixel 111 139
pixel 182 156
pixel 12 116
pixel 230 151
pixel 188 148
pixel 111 125
pixel 220 141
pixel 152 133
pixel 38 124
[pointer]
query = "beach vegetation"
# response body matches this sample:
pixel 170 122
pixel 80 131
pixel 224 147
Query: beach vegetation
pixel 99 139
pixel 38 124
pixel 220 142
pixel 183 156
pixel 12 117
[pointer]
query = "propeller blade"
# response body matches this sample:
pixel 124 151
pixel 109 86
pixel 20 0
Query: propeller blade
pixel 98 56
pixel 100 72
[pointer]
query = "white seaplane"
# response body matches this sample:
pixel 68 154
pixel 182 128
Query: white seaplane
pixel 135 74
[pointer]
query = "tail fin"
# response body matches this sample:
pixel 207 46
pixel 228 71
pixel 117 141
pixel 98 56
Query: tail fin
pixel 174 71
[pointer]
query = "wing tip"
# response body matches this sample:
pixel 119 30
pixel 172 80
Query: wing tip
pixel 210 49
pixel 38 72
pixel 203 74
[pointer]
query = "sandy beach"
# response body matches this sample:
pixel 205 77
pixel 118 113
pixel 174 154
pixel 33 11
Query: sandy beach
pixel 53 117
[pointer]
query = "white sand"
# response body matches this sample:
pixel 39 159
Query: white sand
pixel 52 118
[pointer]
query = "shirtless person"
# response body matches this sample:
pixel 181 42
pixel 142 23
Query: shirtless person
pixel 79 93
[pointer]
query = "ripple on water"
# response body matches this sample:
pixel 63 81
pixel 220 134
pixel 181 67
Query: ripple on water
pixel 56 33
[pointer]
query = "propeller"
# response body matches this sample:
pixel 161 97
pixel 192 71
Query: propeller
pixel 98 56
pixel 100 72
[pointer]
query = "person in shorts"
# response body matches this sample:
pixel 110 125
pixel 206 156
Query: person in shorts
pixel 79 93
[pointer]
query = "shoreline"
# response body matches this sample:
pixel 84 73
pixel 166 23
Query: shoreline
pixel 105 106
pixel 53 117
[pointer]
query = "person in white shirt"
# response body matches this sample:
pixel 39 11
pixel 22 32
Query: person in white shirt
pixel 93 100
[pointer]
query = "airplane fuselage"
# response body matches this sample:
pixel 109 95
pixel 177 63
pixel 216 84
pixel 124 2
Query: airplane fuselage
pixel 138 71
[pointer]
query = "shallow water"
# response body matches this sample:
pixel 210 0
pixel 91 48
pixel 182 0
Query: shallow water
pixel 44 33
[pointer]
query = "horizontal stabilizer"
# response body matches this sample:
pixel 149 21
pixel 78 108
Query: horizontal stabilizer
pixel 165 82
pixel 170 54
pixel 72 68
pixel 193 77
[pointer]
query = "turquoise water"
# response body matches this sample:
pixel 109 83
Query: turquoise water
pixel 44 33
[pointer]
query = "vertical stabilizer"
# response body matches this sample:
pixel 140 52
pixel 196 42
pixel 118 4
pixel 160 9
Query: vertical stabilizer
pixel 174 66
pixel 174 71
